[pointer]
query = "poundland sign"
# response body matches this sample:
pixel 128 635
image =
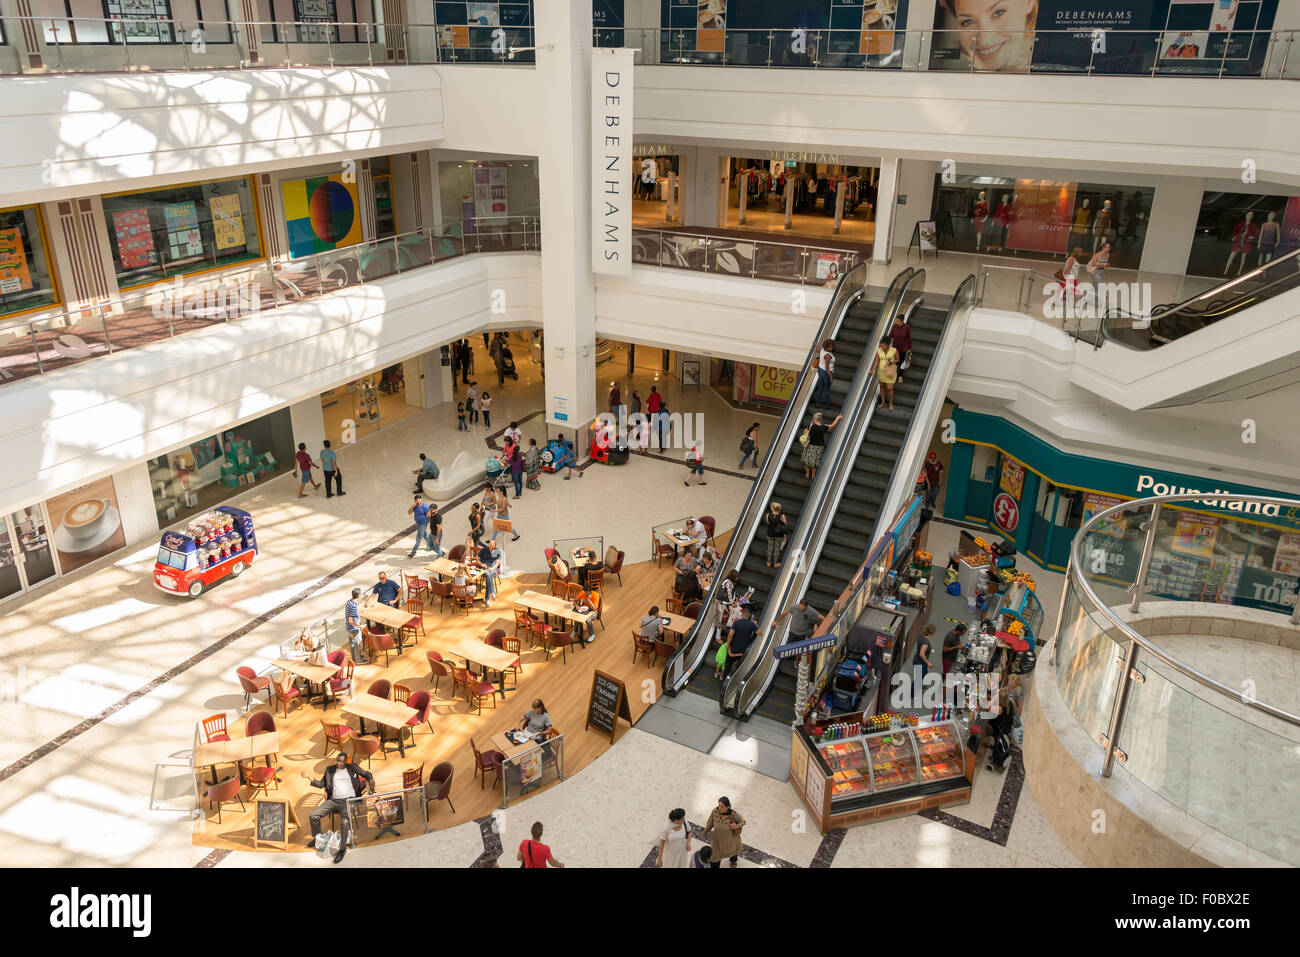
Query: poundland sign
pixel 1149 485
pixel 611 161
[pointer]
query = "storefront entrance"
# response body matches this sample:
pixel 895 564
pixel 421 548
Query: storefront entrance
pixel 658 190
pixel 364 406
pixel 26 558
pixel 811 192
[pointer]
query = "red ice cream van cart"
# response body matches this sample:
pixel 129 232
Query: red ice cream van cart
pixel 213 545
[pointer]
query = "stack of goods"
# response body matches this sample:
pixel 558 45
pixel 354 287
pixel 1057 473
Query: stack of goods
pixel 941 755
pixel 215 537
pixel 243 466
pixel 848 762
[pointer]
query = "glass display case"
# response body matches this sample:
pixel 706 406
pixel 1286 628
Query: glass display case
pixel 893 759
pixel 940 750
pixel 850 769
pixel 888 761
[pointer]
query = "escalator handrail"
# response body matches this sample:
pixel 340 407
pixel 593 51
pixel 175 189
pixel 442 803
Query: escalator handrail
pixel 679 668
pixel 902 481
pixel 756 670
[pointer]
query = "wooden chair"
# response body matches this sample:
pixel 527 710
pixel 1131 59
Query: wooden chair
pixel 595 581
pixel 416 608
pixel 516 647
pixel 415 586
pixel 401 692
pixel 642 646
pixel 673 604
pixel 460 678
pixel 442 592
pixel 483 763
pixel 214 727
pixel 574 591
pixel 228 790
pixel 523 620
pixel 335 734
pixel 659 550
pixel 462 598
pixel 540 632
pixel 259 778
pixel 364 746
pixel 342 681
pixel 438 787
pixel 480 691
pixel 560 588
pixel 286 691
pixel 413 777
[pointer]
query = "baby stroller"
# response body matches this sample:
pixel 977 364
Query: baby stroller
pixel 496 474
pixel 508 363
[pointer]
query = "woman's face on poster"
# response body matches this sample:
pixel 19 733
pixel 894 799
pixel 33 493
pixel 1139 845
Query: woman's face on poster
pixel 997 34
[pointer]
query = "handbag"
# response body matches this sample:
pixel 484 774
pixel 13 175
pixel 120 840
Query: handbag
pixel 891 370
pixel 1059 275
pixel 746 445
pixel 803 439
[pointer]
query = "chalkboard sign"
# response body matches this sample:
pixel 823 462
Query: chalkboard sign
pixel 608 704
pixel 272 822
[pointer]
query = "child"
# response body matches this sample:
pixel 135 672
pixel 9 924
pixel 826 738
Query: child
pixel 720 661
pixel 461 426
pixel 485 406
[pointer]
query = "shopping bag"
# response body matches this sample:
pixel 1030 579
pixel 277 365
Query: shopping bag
pixel 954 588
pixel 328 843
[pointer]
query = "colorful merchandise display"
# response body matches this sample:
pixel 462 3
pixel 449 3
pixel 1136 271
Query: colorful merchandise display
pixel 213 546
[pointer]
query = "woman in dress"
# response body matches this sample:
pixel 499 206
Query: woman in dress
pixel 815 447
pixel 886 371
pixel 723 831
pixel 503 512
pixel 675 841
pixel 475 526
pixel 533 465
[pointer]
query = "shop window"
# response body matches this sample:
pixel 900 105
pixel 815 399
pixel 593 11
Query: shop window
pixel 1238 232
pixel 385 215
pixel 140 21
pixel 26 281
pixel 203 474
pixel 476 30
pixel 1042 219
pixel 160 233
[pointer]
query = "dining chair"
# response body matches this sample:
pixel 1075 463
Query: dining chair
pixel 616 569
pixel 413 778
pixel 438 787
pixel 366 745
pixel 420 702
pixel 457 554
pixel 550 558
pixel 692 610
pixel 514 646
pixel 401 692
pixel 664 649
pixel 381 688
pixel 494 637
pixel 480 691
pixel 460 678
pixel 462 598
pixel 523 621
pixel 415 587
pixel 483 763
pixel 253 684
pixel 342 680
pixel 259 778
pixel 673 604
pixel 384 643
pixel 660 550
pixel 595 581
pixel 416 625
pixel 214 728
pixel 226 791
pixel 259 722
pixel 540 632
pixel 560 588
pixel 335 734
pixel 574 591
pixel 642 646
pixel 562 640
pixel 286 691
pixel 442 592
pixel 437 671
pixel 710 525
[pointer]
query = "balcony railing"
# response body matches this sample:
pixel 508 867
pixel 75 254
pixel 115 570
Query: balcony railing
pixel 42 44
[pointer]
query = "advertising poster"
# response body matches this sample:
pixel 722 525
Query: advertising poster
pixel 1013 477
pixel 134 237
pixel 878 19
pixel 773 384
pixel 1094 503
pixel 607 18
pixel 1286 560
pixel 489 191
pixel 712 24
pixel 320 213
pixel 828 265
pixel 227 221
pixel 86 524
pixel 182 222
pixel 1041 216
pixel 1194 535
pixel 929 234
pixel 741 382
pixel 14 275
pixel 484 14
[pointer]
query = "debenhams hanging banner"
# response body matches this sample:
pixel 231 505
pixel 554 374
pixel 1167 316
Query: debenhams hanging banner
pixel 611 162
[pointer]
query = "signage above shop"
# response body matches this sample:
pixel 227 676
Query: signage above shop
pixel 807 646
pixel 790 156
pixel 654 149
pixel 611 161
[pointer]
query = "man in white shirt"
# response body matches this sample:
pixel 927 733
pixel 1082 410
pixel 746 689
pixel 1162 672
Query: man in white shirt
pixel 340 781
pixel 513 434
pixel 697 531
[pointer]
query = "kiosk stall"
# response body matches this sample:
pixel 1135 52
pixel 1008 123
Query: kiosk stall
pixel 213 546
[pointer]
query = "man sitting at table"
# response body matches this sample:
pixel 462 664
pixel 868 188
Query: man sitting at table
pixel 651 625
pixel 386 591
pixel 696 530
pixel 592 564
pixel 341 781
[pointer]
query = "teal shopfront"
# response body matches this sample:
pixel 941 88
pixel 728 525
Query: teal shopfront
pixel 1037 496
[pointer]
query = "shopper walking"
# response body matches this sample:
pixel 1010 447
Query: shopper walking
pixel 419 512
pixel 663 425
pixel 571 455
pixel 466 360
pixel 695 466
pixel 476 524
pixel 1097 267
pixel 749 446
pixel 723 833
pixel 814 444
pixel 485 406
pixel 329 464
pixel 675 841
pixel 435 529
pixel 933 473
pixel 534 853
pixel 341 781
pixel 471 401
pixel 517 466
pixel 777 530
pixel 503 513
pixel 352 624
pixel 635 403
pixel 497 351
pixel 615 398
pixel 654 401
pixel 886 372
pixel 302 467
pixel 461 424
pixel 900 335
pixel 533 465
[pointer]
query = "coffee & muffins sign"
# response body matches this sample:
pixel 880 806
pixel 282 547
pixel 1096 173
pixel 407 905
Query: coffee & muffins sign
pixel 86 524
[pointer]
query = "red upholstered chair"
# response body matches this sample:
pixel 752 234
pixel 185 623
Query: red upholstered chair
pixel 214 728
pixel 335 734
pixel 550 557
pixel 457 554
pixel 495 637
pixel 710 525
pixel 382 688
pixel 692 610
pixel 286 690
pixel 415 586
pixel 660 550
pixel 664 649
pixel 617 568
pixel 438 787
pixel 259 778
pixel 363 746
pixel 480 691
pixel 259 722
pixel 421 702
pixel 437 671
pixel 253 684
pixel 416 627
pixel 540 633
pixel 562 640
pixel 384 643
pixel 440 591
pixel 228 790
pixel 342 681
pixel 485 761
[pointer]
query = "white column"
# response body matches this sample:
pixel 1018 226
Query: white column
pixel 742 189
pixel 1171 223
pixel 721 186
pixel 886 196
pixel 839 205
pixel 307 420
pixel 916 182
pixel 135 503
pixel 916 46
pixel 564 164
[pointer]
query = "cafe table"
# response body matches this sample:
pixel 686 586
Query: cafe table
pixel 676 538
pixel 552 605
pixel 490 657
pixel 508 748
pixel 391 714
pixel 394 618
pixel 237 750
pixel 312 674
pixel 445 568
pixel 677 624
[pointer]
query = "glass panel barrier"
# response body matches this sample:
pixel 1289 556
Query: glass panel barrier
pixel 387 814
pixel 1085 665
pixel 531 770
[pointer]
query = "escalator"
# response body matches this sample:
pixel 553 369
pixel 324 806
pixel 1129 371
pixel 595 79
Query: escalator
pixel 1173 320
pixel 854 320
pixel 875 472
pixel 853 345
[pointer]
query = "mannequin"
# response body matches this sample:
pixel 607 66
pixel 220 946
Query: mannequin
pixel 1101 225
pixel 1081 217
pixel 1001 223
pixel 1269 233
pixel 978 216
pixel 1243 237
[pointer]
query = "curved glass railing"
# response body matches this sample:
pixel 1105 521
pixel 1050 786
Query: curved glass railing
pixel 1201 725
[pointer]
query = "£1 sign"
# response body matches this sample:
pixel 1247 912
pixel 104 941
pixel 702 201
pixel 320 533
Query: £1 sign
pixel 1006 512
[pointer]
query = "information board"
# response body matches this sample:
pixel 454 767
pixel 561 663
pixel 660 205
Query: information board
pixel 272 816
pixel 608 703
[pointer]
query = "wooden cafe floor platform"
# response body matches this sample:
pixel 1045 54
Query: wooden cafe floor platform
pixel 565 688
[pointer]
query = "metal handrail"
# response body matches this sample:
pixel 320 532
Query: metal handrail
pixel 753 675
pixel 1135 640
pixel 707 237
pixel 696 643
